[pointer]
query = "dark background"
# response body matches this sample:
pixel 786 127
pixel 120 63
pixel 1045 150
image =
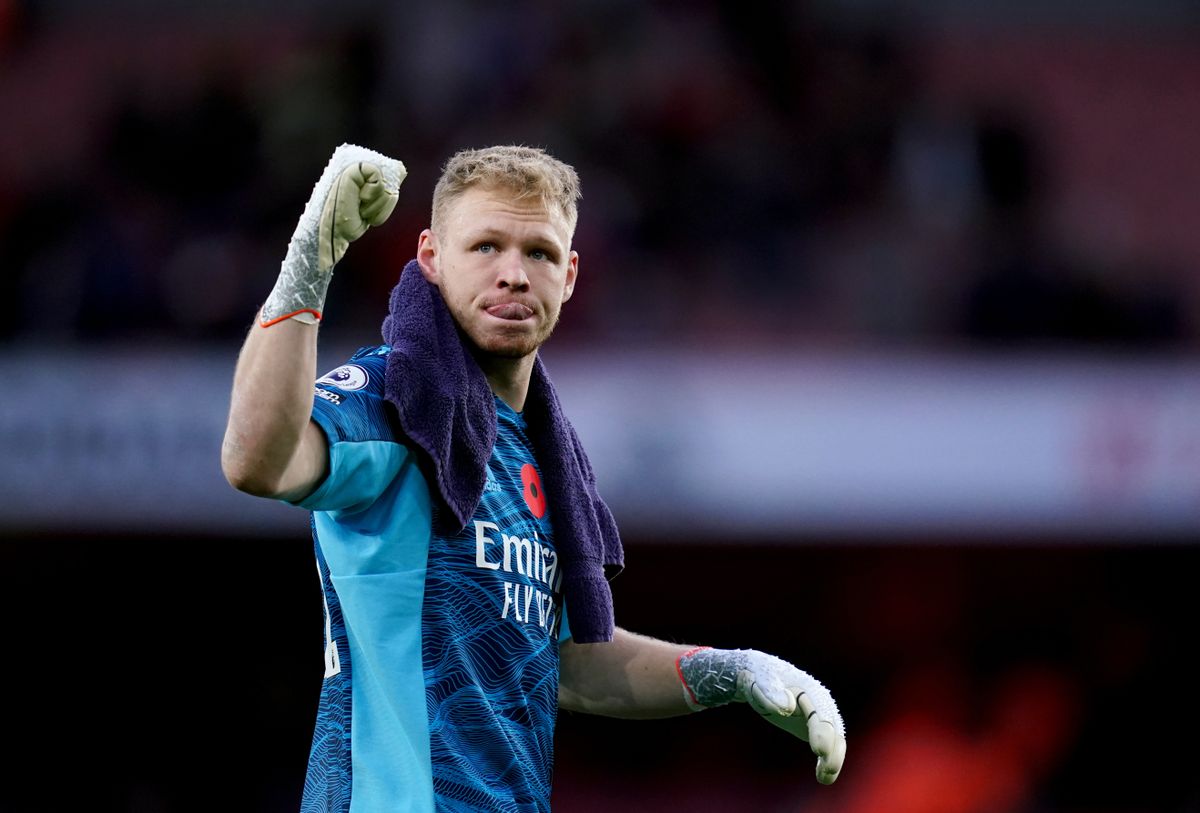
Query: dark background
pixel 1046 676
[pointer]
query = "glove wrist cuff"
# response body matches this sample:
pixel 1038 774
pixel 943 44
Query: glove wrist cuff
pixel 689 696
pixel 295 297
pixel 710 676
pixel 306 316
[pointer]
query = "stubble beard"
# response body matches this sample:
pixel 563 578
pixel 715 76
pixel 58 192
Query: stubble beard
pixel 505 347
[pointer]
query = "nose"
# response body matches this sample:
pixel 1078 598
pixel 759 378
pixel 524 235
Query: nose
pixel 511 273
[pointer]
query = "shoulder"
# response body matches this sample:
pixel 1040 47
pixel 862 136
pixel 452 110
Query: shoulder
pixel 364 372
pixel 349 400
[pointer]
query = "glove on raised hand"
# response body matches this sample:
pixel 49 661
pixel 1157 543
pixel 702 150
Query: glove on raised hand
pixel 786 696
pixel 358 189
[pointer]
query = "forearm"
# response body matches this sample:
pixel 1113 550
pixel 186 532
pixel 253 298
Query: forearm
pixel 632 676
pixel 270 406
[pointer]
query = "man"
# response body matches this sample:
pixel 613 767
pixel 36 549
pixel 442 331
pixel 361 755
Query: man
pixel 461 545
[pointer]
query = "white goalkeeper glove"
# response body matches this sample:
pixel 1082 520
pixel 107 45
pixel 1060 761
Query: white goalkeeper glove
pixel 358 189
pixel 784 695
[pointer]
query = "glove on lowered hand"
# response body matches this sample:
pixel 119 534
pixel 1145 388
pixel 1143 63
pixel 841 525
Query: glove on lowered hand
pixel 786 696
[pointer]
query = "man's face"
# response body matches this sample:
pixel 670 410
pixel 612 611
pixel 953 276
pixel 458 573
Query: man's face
pixel 504 267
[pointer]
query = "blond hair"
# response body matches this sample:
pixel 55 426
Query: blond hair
pixel 524 171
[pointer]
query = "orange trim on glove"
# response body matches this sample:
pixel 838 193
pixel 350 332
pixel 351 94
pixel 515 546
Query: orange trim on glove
pixel 279 319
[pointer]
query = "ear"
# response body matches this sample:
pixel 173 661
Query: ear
pixel 572 273
pixel 427 255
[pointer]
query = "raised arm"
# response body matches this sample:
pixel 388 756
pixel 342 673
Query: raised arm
pixel 633 676
pixel 271 447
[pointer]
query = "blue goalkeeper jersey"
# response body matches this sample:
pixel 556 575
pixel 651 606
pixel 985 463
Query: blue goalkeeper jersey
pixel 441 656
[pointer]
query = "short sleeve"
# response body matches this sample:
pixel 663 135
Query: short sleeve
pixel 359 425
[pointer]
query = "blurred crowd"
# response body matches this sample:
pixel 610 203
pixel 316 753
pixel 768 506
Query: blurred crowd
pixel 751 172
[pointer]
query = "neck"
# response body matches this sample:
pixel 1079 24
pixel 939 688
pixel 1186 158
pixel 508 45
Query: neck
pixel 508 378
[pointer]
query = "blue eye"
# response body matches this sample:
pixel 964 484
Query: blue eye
pixel 485 248
pixel 538 254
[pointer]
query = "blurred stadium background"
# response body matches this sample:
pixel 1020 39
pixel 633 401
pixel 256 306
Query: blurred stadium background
pixel 885 346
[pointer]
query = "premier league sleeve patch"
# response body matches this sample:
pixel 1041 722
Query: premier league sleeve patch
pixel 348 377
pixel 348 401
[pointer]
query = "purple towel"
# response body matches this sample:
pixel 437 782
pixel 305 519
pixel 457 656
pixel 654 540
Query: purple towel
pixel 447 408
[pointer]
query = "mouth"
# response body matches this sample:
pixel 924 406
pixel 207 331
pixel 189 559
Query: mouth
pixel 510 311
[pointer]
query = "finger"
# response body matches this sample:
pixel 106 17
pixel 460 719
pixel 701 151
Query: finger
pixel 822 737
pixel 370 184
pixel 830 767
pixel 368 174
pixel 804 706
pixel 375 212
pixel 768 696
pixel 351 179
pixel 376 201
